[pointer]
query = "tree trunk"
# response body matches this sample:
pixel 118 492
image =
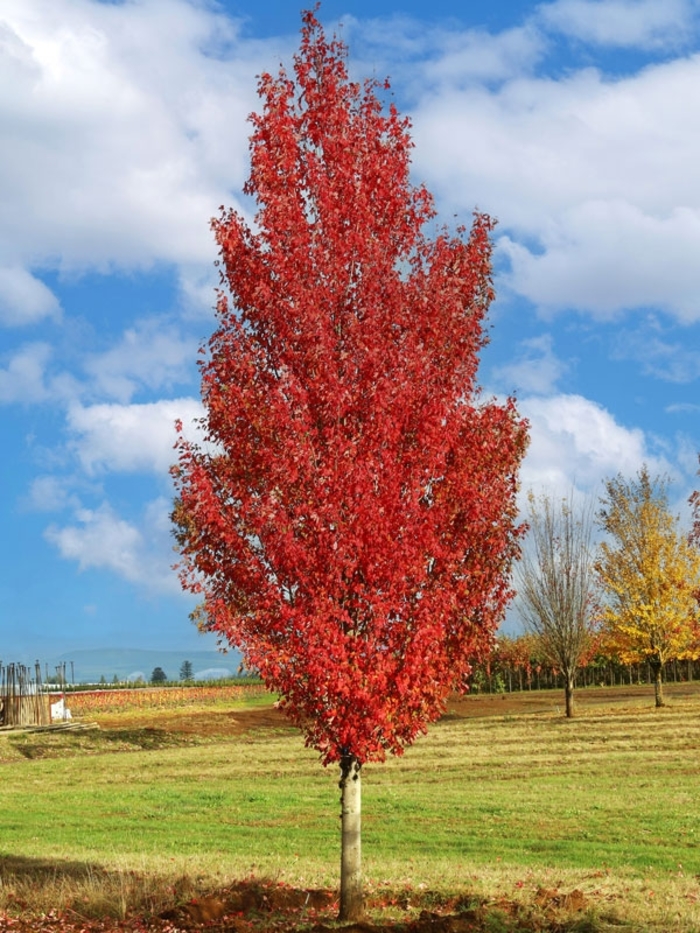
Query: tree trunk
pixel 351 899
pixel 657 668
pixel 569 696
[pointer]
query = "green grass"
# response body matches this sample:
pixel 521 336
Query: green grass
pixel 229 798
pixel 600 791
pixel 491 804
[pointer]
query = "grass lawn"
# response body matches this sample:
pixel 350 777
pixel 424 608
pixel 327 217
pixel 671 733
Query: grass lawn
pixel 494 808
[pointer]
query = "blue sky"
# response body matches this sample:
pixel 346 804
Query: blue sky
pixel 575 122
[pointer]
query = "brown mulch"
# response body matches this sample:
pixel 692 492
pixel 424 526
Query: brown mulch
pixel 255 906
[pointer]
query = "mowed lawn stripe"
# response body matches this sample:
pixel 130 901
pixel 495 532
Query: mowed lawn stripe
pixel 616 789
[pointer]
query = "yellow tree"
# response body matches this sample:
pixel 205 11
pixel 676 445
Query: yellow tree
pixel 649 572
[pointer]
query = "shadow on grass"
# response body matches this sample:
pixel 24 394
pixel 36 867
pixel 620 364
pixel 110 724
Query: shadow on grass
pixel 60 744
pixel 42 871
pixel 31 887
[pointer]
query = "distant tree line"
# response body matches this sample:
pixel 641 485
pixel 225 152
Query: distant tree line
pixel 521 662
pixel 624 611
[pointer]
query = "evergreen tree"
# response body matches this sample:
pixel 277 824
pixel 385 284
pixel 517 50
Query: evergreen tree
pixel 158 676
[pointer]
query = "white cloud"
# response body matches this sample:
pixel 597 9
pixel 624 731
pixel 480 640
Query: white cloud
pixel 535 370
pixel 418 56
pixel 24 299
pixel 645 24
pixel 130 438
pixel 124 128
pixel 596 182
pixel 599 257
pixel 472 56
pixel 100 539
pixel 688 457
pixel 682 407
pixel 214 673
pixel 50 494
pixel 674 357
pixel 22 381
pixel 151 354
pixel 576 442
pixel 198 284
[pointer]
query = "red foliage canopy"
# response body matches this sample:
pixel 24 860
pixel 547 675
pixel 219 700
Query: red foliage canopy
pixel 351 520
pixel 695 505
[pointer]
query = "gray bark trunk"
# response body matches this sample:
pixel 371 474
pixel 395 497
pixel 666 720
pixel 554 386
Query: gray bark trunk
pixel 658 683
pixel 351 899
pixel 569 697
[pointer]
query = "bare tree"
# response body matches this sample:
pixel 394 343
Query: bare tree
pixel 556 583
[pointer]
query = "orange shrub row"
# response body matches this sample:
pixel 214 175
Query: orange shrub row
pixel 90 702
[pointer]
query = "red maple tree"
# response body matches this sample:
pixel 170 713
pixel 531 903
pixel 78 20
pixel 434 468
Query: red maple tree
pixel 350 521
pixel 694 501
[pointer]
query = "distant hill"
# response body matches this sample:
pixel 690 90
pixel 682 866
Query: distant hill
pixel 90 665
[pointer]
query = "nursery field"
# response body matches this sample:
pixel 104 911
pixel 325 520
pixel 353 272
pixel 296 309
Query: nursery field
pixel 506 817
